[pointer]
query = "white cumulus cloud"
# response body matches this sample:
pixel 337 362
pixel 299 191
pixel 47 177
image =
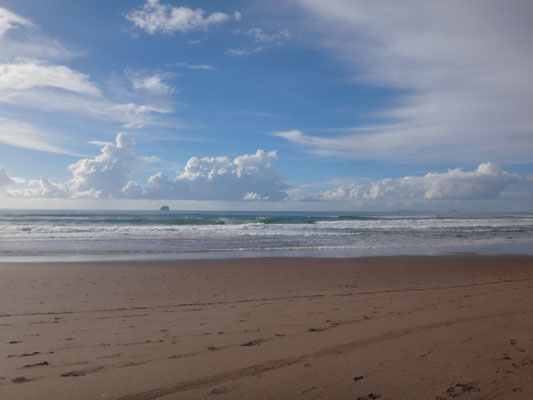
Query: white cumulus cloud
pixel 160 17
pixel 487 181
pixel 254 196
pixel 220 178
pixel 108 173
pixel 111 175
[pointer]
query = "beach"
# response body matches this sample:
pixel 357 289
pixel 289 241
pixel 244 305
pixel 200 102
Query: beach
pixel 407 327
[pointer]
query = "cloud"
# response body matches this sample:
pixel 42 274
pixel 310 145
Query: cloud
pixel 29 42
pixel 260 36
pixel 42 187
pixel 254 196
pixel 110 175
pixel 28 136
pixel 237 16
pixel 56 88
pixel 249 177
pixel 461 71
pixel 134 115
pixel 195 66
pixel 254 177
pixel 9 20
pixel 27 76
pixel 152 84
pixel 244 52
pixel 5 179
pixel 160 17
pixel 486 182
pixel 32 78
pixel 107 175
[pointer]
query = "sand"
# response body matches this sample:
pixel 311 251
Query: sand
pixel 382 327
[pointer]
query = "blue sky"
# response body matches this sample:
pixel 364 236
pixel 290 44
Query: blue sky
pixel 266 105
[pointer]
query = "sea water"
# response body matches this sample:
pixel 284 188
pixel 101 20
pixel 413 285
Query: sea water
pixel 85 235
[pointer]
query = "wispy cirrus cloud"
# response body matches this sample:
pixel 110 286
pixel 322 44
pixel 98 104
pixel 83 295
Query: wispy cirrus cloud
pixel 28 136
pixel 150 83
pixel 461 69
pixel 205 67
pixel 24 76
pixel 261 38
pixel 57 88
pixel 34 77
pixel 29 43
pixel 9 20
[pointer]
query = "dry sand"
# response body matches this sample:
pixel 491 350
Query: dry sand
pixel 367 328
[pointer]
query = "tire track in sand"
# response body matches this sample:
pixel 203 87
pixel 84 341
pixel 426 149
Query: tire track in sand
pixel 285 362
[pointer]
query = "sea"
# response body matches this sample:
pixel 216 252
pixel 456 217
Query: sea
pixel 66 235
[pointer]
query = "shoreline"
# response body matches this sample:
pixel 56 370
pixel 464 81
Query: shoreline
pixel 262 258
pixel 494 249
pixel 269 328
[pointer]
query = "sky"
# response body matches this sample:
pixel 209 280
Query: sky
pixel 267 105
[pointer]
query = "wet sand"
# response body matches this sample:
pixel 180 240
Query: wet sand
pixel 382 327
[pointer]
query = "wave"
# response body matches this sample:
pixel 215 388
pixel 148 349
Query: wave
pixel 125 219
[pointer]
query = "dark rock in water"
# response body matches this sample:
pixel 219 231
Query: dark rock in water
pixel 164 208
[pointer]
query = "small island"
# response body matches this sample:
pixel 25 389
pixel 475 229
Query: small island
pixel 164 208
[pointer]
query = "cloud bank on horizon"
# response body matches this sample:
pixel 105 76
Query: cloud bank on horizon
pixel 109 175
pixel 387 104
pixel 246 177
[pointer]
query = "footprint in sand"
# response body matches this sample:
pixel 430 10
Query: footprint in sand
pixel 220 390
pixel 370 396
pixel 459 389
pixel 39 364
pixel 256 342
pixel 82 372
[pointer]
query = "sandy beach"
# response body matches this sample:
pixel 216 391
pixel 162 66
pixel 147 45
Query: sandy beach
pixel 271 328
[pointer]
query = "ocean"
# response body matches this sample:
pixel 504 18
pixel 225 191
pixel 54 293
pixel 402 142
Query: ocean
pixel 39 235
